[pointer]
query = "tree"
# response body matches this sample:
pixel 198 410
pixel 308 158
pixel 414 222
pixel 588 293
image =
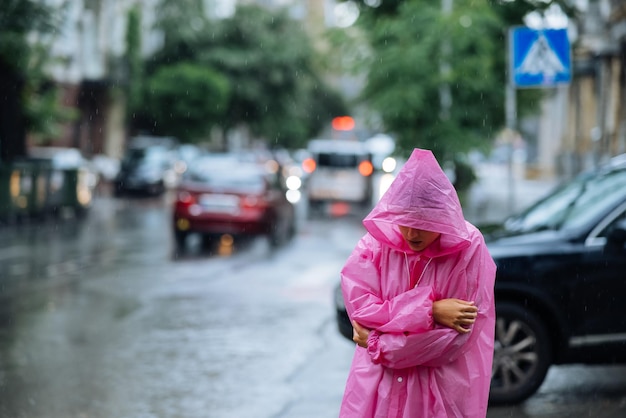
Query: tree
pixel 134 63
pixel 267 57
pixel 406 77
pixel 278 92
pixel 511 12
pixel 182 22
pixel 185 100
pixel 411 44
pixel 18 90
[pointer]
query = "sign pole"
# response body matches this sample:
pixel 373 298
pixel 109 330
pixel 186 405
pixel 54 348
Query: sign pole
pixel 511 122
pixel 511 113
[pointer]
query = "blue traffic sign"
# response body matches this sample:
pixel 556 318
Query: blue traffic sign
pixel 539 58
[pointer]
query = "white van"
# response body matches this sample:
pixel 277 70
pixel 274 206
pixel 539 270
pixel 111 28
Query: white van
pixel 338 171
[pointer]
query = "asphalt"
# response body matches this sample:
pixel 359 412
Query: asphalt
pixel 501 191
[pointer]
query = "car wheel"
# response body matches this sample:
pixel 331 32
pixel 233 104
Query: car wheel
pixel 522 354
pixel 278 234
pixel 157 189
pixel 180 238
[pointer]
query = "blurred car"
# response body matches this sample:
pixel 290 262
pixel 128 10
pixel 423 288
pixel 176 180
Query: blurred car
pixel 147 167
pixel 107 167
pixel 559 282
pixel 338 171
pixel 219 196
pixel 381 147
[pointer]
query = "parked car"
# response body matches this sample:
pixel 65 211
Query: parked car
pixel 560 277
pixel 107 167
pixel 147 167
pixel 222 195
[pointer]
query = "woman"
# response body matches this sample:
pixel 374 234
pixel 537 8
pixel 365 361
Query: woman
pixel 419 290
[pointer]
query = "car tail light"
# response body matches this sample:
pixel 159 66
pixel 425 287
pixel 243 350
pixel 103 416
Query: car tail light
pixel 308 165
pixel 185 198
pixel 366 168
pixel 252 202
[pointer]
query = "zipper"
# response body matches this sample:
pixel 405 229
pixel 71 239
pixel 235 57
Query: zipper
pixel 408 271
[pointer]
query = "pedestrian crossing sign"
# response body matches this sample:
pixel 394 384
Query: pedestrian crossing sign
pixel 539 58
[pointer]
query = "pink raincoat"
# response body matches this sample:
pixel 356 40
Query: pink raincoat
pixel 414 367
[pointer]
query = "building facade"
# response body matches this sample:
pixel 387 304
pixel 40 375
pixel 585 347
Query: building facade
pixel 596 116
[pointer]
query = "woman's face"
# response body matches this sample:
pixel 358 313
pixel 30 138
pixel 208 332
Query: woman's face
pixel 418 239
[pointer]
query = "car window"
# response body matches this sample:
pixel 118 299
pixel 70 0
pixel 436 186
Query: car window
pixel 573 204
pixel 149 155
pixel 337 160
pixel 619 218
pixel 244 181
pixel 598 193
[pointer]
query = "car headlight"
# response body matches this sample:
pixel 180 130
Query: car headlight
pixel 389 165
pixel 293 196
pixel 293 182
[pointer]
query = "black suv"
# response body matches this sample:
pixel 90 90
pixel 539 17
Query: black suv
pixel 559 285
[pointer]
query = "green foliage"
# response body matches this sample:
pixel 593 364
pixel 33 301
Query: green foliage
pixel 22 64
pixel 133 60
pixel 420 55
pixel 181 21
pixel 17 19
pixel 276 92
pixel 408 42
pixel 268 59
pixel 406 77
pixel 185 100
pixel 511 10
pixel 44 115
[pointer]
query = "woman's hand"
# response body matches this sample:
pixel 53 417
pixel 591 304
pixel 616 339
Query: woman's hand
pixel 455 313
pixel 360 334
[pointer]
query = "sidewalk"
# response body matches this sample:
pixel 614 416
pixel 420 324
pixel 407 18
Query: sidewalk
pixel 496 194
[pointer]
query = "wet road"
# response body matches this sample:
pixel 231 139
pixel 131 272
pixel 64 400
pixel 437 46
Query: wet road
pixel 100 320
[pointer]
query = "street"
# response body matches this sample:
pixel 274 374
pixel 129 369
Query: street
pixel 101 319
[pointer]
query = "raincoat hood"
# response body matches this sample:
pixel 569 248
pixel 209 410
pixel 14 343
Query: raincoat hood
pixel 420 197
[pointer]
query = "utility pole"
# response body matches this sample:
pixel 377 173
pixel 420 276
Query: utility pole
pixel 511 128
pixel 445 96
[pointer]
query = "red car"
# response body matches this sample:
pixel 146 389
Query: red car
pixel 224 196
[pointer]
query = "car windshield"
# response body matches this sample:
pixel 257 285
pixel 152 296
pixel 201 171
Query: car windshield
pixel 147 155
pixel 337 160
pixel 573 204
pixel 241 180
